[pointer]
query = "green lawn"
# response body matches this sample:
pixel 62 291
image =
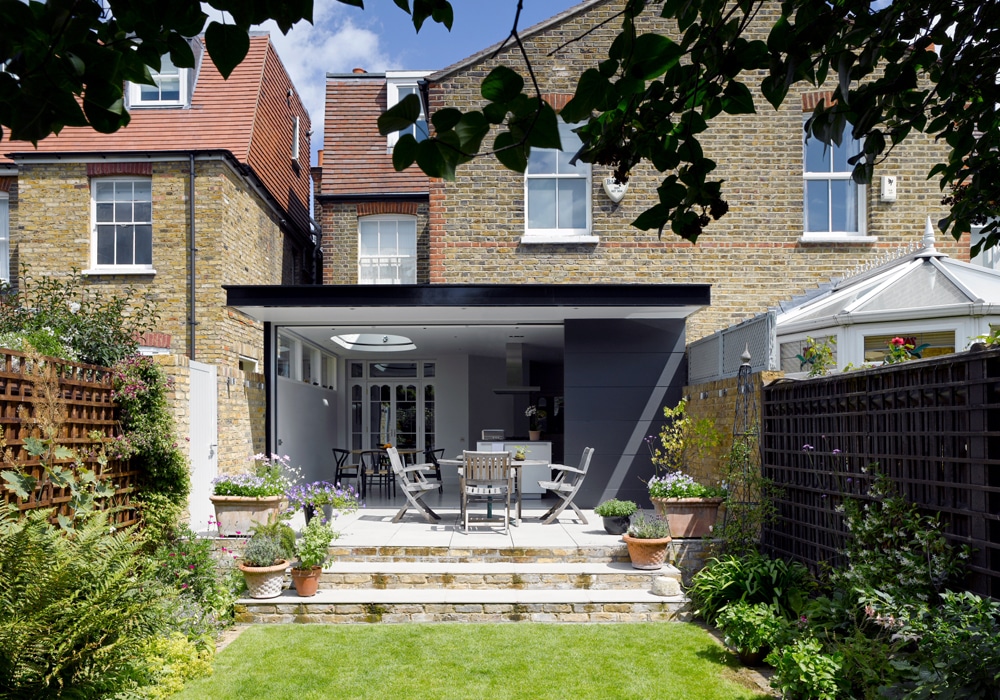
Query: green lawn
pixel 470 661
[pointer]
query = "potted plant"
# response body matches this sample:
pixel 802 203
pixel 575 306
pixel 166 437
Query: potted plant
pixel 750 630
pixel 264 565
pixel 616 514
pixel 313 550
pixel 691 508
pixel 331 499
pixel 647 539
pixel 256 495
pixel 535 417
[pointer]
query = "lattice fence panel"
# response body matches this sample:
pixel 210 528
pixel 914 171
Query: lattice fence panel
pixel 83 400
pixel 932 425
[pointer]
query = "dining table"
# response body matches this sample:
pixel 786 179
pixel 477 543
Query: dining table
pixel 407 454
pixel 516 465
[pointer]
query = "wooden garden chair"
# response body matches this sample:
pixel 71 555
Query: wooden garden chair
pixel 565 486
pixel 486 476
pixel 413 484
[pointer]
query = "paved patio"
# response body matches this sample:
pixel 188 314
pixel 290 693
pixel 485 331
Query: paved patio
pixel 372 526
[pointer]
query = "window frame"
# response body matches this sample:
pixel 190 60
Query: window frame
pixel 118 268
pixel 135 98
pixel 394 80
pixel 389 217
pixel 560 234
pixel 852 146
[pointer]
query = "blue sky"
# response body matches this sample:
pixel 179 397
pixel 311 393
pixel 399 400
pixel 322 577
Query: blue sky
pixel 381 37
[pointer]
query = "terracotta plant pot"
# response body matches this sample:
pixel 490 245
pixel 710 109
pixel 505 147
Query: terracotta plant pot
pixel 647 554
pixel 265 581
pixel 534 435
pixel 236 515
pixel 689 517
pixel 306 580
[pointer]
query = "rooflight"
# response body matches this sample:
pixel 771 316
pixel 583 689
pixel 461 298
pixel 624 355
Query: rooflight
pixel 374 342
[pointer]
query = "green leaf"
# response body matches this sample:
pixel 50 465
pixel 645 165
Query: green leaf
pixel 432 161
pixel 511 154
pixel 737 99
pixel 35 446
pixel 502 85
pixel 227 44
pixel 401 115
pixel 471 131
pixel 65 522
pixel 404 5
pixel 654 217
pixel 445 119
pixel 63 452
pixel 545 132
pixel 404 153
pixel 655 54
pixel 590 93
pixel 21 484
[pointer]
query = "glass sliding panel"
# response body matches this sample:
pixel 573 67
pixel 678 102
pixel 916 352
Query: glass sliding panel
pixel 406 416
pixel 284 357
pixel 429 441
pixel 541 203
pixel 844 209
pixel 572 203
pixel 817 205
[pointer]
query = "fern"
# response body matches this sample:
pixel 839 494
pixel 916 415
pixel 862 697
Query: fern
pixel 75 608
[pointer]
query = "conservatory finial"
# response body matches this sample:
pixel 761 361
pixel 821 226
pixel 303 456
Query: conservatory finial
pixel 928 241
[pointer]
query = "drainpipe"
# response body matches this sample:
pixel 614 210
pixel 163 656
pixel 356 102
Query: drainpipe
pixel 192 250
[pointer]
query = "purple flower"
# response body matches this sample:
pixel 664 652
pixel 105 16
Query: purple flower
pixel 836 452
pixel 807 448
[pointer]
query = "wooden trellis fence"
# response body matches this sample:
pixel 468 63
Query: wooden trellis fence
pixel 82 399
pixel 933 426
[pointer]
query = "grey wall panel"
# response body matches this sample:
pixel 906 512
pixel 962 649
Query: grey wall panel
pixel 619 375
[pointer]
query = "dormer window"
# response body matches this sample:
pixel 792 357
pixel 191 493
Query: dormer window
pixel 399 84
pixel 171 89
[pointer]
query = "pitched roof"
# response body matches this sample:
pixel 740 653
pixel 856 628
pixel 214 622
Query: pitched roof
pixel 250 115
pixel 355 157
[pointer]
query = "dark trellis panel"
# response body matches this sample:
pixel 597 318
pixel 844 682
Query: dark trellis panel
pixel 932 425
pixel 85 392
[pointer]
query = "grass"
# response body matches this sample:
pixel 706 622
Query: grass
pixel 468 661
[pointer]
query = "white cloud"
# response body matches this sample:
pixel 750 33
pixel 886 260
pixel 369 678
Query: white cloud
pixel 334 43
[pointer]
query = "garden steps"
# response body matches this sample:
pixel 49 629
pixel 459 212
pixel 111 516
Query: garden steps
pixel 489 575
pixel 450 591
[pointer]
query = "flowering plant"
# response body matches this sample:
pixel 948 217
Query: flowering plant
pixel 322 493
pixel 903 349
pixel 535 416
pixel 270 476
pixel 678 485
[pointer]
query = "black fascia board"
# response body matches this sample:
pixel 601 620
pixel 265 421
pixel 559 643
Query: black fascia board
pixel 489 295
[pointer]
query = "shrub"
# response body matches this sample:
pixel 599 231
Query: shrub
pixel 171 661
pixel 753 578
pixel 613 508
pixel 896 549
pixel 44 341
pixel 268 476
pixel 750 628
pixel 140 387
pixel 282 533
pixel 74 609
pixel 802 671
pixel 100 328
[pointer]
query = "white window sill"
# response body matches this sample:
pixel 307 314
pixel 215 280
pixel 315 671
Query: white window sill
pixel 836 238
pixel 118 271
pixel 558 238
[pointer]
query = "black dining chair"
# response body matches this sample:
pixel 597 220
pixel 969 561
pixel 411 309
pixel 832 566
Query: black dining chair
pixel 431 457
pixel 377 471
pixel 344 466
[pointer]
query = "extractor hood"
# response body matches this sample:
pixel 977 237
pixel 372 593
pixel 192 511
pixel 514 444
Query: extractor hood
pixel 517 372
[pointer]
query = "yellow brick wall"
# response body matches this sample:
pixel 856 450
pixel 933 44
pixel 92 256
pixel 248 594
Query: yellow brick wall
pixel 752 257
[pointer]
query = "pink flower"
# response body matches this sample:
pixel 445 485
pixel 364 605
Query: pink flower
pixel 897 341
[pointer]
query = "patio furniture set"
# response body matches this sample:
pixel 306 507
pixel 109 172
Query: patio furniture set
pixel 491 478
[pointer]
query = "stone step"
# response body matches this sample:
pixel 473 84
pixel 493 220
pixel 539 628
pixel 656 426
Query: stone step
pixel 344 606
pixel 613 552
pixel 489 575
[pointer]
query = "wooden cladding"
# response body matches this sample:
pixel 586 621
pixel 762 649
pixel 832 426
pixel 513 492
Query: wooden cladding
pixel 83 401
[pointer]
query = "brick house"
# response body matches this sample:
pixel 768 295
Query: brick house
pixel 208 185
pixel 488 268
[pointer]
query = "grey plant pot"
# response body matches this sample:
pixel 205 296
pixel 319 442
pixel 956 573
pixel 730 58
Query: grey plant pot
pixel 616 524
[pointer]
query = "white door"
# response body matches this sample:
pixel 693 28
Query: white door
pixel 204 443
